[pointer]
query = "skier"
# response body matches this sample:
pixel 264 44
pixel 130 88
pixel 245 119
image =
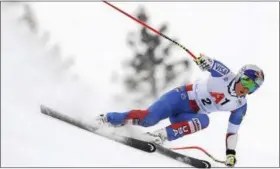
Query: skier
pixel 188 106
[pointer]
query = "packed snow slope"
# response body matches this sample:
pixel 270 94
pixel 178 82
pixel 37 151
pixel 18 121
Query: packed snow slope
pixel 31 75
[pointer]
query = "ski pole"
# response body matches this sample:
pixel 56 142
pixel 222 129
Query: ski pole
pixel 201 149
pixel 152 29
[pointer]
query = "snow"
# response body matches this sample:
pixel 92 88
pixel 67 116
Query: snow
pixel 31 75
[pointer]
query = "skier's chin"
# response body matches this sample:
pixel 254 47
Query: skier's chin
pixel 241 93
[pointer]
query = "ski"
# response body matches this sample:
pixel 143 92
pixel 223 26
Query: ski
pixel 194 162
pixel 132 142
pixel 135 143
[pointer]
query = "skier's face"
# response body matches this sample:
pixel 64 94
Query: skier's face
pixel 241 90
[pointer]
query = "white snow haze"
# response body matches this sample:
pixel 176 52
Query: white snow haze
pixel 75 79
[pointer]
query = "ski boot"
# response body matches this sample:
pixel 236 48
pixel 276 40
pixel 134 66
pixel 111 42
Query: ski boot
pixel 158 137
pixel 102 120
pixel 99 121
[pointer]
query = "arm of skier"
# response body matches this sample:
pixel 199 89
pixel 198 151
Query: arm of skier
pixel 235 120
pixel 216 68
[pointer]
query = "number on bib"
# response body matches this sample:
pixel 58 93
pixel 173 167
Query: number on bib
pixel 206 101
pixel 226 101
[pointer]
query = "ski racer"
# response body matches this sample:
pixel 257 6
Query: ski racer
pixel 188 106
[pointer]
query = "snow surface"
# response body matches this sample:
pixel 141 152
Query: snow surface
pixel 31 75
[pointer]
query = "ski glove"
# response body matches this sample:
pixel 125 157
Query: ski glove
pixel 231 160
pixel 204 62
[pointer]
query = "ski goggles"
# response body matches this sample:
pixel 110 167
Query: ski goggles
pixel 249 83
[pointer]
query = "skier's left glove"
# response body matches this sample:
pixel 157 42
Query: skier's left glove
pixel 231 160
pixel 204 62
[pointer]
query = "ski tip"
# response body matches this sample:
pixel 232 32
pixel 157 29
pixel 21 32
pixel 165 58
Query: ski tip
pixel 41 106
pixel 44 109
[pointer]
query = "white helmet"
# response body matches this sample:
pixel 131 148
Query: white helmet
pixel 252 77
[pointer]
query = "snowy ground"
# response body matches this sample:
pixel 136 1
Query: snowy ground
pixel 30 76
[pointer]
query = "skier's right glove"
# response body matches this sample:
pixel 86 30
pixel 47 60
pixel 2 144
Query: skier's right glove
pixel 204 62
pixel 231 160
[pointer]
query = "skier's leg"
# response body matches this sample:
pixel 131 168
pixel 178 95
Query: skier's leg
pixel 159 110
pixel 186 123
pixel 132 117
pixel 156 112
pixel 181 125
pixel 184 117
pixel 116 118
